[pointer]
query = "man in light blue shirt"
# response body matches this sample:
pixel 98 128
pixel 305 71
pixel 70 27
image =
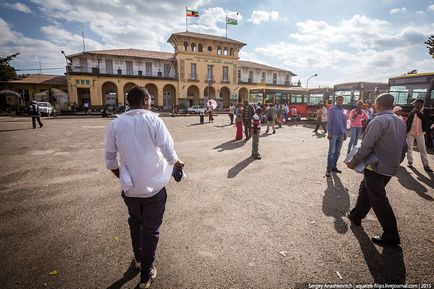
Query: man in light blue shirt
pixel 337 133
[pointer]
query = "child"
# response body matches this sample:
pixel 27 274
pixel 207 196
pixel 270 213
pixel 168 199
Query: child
pixel 256 129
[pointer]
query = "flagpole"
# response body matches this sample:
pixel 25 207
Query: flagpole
pixel 226 26
pixel 186 30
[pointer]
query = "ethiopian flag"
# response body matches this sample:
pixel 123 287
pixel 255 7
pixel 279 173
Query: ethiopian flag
pixel 231 21
pixel 191 13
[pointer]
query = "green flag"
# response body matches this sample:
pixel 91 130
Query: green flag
pixel 231 21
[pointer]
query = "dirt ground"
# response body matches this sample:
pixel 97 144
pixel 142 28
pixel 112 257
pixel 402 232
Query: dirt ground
pixel 233 223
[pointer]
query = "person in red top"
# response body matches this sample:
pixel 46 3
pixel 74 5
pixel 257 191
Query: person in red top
pixel 357 115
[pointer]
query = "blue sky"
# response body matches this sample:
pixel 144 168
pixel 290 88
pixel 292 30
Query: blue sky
pixel 368 40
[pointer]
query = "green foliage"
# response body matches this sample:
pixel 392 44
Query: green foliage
pixel 7 72
pixel 430 45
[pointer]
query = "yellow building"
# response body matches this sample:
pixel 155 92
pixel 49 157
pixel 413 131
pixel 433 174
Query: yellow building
pixel 201 67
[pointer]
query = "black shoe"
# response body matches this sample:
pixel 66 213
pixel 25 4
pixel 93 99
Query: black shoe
pixel 328 174
pixel 380 241
pixel 410 165
pixel 428 169
pixel 353 220
pixel 256 157
pixel 274 131
pixel 336 170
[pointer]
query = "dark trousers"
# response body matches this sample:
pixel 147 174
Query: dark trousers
pixel 231 117
pixel 319 123
pixel 247 125
pixel 146 216
pixel 34 119
pixel 372 194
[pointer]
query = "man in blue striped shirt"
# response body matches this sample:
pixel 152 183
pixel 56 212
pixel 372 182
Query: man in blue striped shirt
pixel 337 133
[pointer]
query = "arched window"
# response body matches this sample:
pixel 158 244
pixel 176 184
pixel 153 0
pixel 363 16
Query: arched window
pixel 219 50
pixel 225 51
pixel 193 47
pixel 200 47
pixel 231 51
pixel 185 45
pixel 209 48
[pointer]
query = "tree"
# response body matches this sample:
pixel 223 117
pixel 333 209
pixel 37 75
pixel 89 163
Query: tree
pixel 430 45
pixel 7 72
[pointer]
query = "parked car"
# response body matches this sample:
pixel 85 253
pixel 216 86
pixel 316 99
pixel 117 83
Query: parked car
pixel 45 108
pixel 196 109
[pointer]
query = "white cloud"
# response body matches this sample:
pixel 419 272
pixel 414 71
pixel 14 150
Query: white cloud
pixel 259 16
pixel 212 21
pixel 420 12
pixel 402 10
pixel 359 48
pixel 431 8
pixel 19 7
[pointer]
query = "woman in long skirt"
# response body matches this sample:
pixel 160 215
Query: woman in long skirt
pixel 238 123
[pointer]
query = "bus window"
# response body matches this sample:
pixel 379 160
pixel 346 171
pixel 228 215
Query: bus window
pixel 432 94
pixel 419 93
pixel 356 95
pixel 256 97
pixel 400 93
pixel 315 98
pixel 297 98
pixel 269 98
pixel 346 94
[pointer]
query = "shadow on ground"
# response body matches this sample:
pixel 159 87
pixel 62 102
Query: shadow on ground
pixel 336 203
pixel 128 275
pixel 409 182
pixel 233 172
pixel 230 145
pixel 387 267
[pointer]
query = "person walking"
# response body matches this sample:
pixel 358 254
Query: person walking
pixel 286 113
pixel 280 115
pixel 231 112
pixel 385 139
pixel 357 116
pixel 370 113
pixel 86 108
pixel 417 125
pixel 256 130
pixel 147 160
pixel 336 134
pixel 247 115
pixel 210 109
pixel 35 113
pixel 271 118
pixel 398 111
pixel 321 118
pixel 239 122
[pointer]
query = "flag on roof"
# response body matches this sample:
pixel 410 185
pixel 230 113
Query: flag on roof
pixel 231 21
pixel 191 13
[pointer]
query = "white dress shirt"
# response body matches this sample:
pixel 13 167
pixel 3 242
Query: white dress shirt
pixel 146 152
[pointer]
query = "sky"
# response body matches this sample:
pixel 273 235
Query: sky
pixel 340 40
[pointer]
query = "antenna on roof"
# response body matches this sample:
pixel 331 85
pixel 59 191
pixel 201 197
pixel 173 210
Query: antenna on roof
pixel 40 67
pixel 84 47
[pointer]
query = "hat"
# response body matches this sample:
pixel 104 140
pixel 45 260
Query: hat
pixel 420 100
pixel 397 108
pixel 33 101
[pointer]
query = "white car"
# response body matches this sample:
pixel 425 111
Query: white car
pixel 196 109
pixel 45 108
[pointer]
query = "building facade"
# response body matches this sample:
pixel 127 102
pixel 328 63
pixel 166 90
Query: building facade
pixel 201 67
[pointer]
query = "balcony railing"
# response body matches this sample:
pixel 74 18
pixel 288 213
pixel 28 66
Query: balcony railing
pixel 193 77
pixel 121 72
pixel 277 83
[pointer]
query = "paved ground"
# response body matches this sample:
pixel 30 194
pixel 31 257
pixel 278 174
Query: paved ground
pixel 224 226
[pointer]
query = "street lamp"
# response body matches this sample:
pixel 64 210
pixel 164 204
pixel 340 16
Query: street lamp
pixel 67 74
pixel 307 81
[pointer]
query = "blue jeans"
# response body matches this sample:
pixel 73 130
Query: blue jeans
pixel 335 145
pixel 354 137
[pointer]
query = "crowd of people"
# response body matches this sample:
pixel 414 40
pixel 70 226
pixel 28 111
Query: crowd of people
pixel 386 140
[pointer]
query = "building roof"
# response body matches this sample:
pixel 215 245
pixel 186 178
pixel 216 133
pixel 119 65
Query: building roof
pixel 413 75
pixel 42 79
pixel 206 36
pixel 249 64
pixel 129 52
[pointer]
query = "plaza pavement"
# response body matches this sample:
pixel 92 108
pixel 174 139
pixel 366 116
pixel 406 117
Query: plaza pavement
pixel 228 225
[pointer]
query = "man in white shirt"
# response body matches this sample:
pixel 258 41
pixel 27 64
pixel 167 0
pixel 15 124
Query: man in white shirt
pixel 147 159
